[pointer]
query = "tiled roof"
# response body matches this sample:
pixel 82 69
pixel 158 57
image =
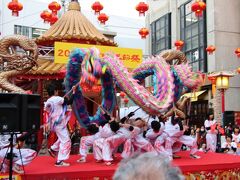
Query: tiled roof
pixel 74 26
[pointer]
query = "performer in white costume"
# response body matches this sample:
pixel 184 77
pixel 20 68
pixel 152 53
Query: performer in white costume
pixel 27 155
pixel 57 121
pixel 137 142
pixel 211 137
pixel 175 130
pixel 109 129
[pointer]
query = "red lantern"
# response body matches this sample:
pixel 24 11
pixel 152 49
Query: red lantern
pixel 198 7
pixel 122 94
pixel 15 6
pixel 54 7
pixel 179 44
pixel 53 19
pixel 210 49
pixel 143 32
pixel 142 7
pixel 102 18
pixel 46 16
pixel 97 7
pixel 125 100
pixel 237 52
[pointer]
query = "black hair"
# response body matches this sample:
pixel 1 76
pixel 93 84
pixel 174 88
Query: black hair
pixel 51 89
pixel 236 127
pixel 155 125
pixel 114 126
pixel 92 129
pixel 138 118
pixel 107 117
pixel 229 136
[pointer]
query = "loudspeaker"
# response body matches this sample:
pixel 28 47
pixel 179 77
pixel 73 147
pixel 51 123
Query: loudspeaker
pixel 228 117
pixel 10 112
pixel 30 112
pixel 19 112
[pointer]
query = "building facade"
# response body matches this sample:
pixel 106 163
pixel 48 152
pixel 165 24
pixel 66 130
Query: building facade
pixel 171 20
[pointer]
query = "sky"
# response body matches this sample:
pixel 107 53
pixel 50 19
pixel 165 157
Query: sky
pixel 123 19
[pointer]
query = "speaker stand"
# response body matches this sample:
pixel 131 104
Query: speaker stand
pixel 10 157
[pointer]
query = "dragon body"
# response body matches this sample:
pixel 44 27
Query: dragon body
pixel 170 81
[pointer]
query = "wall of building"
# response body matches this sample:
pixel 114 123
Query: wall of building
pixel 223 31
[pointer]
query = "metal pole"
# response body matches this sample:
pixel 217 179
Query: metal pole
pixel 223 100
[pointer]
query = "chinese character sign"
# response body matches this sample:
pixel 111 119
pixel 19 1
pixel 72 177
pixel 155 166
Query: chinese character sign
pixel 131 58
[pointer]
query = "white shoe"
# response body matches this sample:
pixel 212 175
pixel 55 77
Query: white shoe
pixel 17 169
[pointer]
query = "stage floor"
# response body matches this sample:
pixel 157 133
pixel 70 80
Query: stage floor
pixel 42 168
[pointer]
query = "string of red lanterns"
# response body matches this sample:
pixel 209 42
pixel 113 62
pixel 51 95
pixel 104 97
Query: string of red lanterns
pixel 103 18
pixel 125 100
pixel 97 7
pixel 143 32
pixel 15 7
pixel 142 7
pixel 210 49
pixel 179 44
pixel 198 7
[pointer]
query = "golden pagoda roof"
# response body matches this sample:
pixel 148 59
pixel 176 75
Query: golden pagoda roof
pixel 73 26
pixel 47 67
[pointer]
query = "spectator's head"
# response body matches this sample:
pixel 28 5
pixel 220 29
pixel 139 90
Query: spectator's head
pixel 114 126
pixel 210 116
pixel 162 118
pixel 51 89
pixel 229 138
pixel 147 166
pixel 236 130
pixel 202 129
pixel 155 125
pixel 92 129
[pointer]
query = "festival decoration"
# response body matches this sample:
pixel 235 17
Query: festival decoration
pixel 143 32
pixel 15 6
pixel 210 49
pixel 53 19
pixel 103 18
pixel 97 7
pixel 198 7
pixel 122 94
pixel 142 7
pixel 165 92
pixel 18 63
pixel 125 100
pixel 54 7
pixel 46 16
pixel 179 44
pixel 237 52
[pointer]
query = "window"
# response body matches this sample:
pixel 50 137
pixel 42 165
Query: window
pixel 161 34
pixel 28 31
pixel 193 33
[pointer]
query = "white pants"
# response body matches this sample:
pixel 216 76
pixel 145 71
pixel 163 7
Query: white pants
pixel 211 142
pixel 187 140
pixel 27 156
pixel 104 148
pixel 63 144
pixel 85 144
pixel 138 143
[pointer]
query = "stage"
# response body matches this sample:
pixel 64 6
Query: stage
pixel 210 165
